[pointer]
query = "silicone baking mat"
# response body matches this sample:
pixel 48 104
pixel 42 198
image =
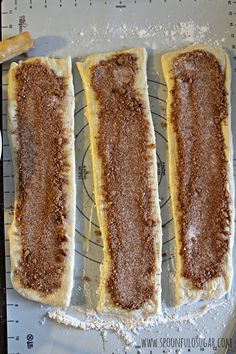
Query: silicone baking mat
pixel 78 28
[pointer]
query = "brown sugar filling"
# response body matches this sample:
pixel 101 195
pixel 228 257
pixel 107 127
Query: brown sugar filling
pixel 41 164
pixel 122 142
pixel 197 112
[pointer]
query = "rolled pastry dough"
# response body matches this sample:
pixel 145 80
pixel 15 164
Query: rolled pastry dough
pixel 61 296
pixel 220 285
pixel 92 112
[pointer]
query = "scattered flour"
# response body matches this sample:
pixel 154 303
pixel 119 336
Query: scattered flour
pixel 128 329
pixel 153 35
pixel 43 320
pixel 91 321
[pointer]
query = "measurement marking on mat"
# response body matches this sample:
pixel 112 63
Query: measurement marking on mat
pixel 157 114
pixel 97 244
pixel 167 259
pixel 157 132
pixel 157 98
pixel 77 93
pixel 157 82
pixel 81 212
pixel 12 304
pixel 168 240
pixel 163 225
pixel 83 255
pixel 79 110
pixel 167 200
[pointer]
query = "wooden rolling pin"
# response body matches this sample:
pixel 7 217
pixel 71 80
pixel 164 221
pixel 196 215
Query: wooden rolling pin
pixel 16 45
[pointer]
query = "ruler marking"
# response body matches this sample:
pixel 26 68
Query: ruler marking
pixel 16 305
pixel 7 13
